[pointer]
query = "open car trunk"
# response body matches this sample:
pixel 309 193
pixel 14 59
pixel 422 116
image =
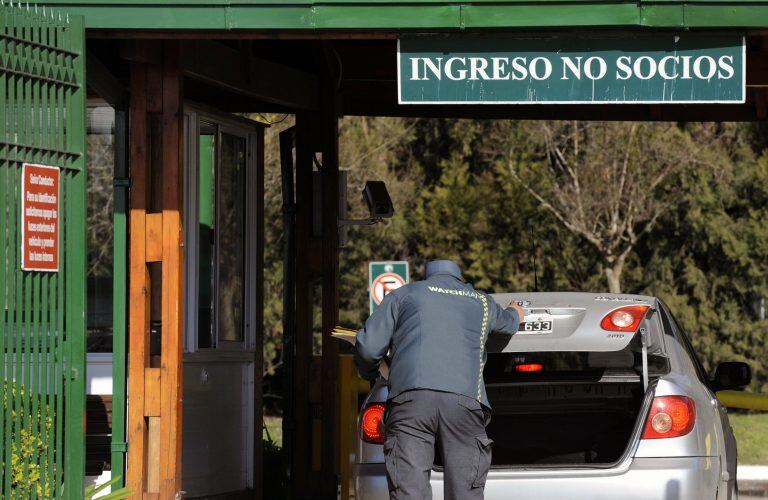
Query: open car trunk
pixel 563 424
pixel 572 409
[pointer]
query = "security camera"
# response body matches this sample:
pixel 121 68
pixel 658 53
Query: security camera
pixel 377 198
pixel 379 204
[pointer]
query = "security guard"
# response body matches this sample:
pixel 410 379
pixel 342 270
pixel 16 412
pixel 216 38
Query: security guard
pixel 435 332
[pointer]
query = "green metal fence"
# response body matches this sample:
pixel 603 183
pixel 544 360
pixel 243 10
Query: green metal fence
pixel 42 314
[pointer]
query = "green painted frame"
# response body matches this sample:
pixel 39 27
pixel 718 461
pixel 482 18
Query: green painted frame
pixel 307 15
pixel 118 447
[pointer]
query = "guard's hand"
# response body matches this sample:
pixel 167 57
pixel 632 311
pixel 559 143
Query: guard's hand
pixel 518 309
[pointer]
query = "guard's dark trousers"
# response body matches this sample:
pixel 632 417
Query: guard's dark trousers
pixel 420 419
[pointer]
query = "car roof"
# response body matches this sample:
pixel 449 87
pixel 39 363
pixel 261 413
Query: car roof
pixel 576 317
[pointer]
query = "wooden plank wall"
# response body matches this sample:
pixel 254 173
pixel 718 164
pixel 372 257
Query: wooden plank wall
pixel 155 268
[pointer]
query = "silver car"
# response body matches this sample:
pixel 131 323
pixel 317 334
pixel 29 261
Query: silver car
pixel 598 396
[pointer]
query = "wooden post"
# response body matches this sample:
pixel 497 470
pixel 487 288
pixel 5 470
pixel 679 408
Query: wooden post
pixel 138 278
pixel 316 133
pixel 154 392
pixel 329 133
pixel 301 438
pixel 173 274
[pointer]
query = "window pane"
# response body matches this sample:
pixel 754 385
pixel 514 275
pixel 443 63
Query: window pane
pixel 231 239
pixel 206 194
pixel 100 122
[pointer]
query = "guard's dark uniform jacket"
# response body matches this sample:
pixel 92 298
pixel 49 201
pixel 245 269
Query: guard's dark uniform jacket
pixel 435 331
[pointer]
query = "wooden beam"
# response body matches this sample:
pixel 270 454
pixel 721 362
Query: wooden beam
pixel 152 392
pixel 301 436
pixel 103 82
pixel 154 404
pixel 154 238
pixel 138 301
pixel 380 99
pixel 173 277
pixel 154 97
pixel 153 458
pixel 329 134
pixel 244 74
pixel 757 62
pixel 761 103
pixel 141 51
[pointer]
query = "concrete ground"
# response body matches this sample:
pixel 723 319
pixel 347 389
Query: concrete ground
pixel 753 482
pixel 751 490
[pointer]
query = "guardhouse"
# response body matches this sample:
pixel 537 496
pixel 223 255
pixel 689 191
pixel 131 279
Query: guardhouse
pixel 179 305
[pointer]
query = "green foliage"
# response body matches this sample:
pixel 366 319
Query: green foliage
pixel 709 258
pixel 273 457
pixel 751 431
pixel 273 434
pixel 455 197
pixel 29 448
pixel 92 490
pixel 373 150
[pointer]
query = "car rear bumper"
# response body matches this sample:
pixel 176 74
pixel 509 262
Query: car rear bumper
pixel 688 478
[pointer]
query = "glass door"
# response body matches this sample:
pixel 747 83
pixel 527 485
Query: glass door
pixel 221 207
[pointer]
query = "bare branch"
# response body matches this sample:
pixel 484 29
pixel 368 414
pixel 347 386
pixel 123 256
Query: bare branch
pixel 592 238
pixel 606 179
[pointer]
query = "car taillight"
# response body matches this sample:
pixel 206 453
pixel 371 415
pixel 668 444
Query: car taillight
pixel 670 416
pixel 624 319
pixel 529 367
pixel 372 427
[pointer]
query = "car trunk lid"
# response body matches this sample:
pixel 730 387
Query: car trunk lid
pixel 575 318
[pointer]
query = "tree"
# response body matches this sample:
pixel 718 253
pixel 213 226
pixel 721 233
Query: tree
pixel 691 209
pixel 100 204
pixel 375 149
pixel 605 181
pixel 371 149
pixel 708 258
pixel 471 210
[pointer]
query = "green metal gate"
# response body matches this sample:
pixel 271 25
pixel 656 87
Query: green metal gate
pixel 42 325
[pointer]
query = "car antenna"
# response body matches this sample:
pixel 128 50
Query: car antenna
pixel 533 253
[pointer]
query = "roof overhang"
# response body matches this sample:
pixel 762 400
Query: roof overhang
pixel 344 16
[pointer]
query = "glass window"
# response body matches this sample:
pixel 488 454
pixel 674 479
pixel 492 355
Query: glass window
pixel 231 244
pixel 222 161
pixel 100 123
pixel 686 342
pixel 206 210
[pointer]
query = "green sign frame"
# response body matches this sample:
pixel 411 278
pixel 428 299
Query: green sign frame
pixel 377 270
pixel 659 68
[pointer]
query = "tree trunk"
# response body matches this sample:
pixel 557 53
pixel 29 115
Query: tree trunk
pixel 612 268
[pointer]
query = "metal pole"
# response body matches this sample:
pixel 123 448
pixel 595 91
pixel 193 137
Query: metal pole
pixel 119 295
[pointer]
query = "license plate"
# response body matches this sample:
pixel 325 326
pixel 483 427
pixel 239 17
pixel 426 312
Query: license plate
pixel 536 324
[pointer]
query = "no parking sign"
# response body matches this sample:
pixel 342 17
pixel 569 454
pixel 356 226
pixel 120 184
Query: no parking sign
pixel 385 277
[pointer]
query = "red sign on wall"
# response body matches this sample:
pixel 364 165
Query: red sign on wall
pixel 40 218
